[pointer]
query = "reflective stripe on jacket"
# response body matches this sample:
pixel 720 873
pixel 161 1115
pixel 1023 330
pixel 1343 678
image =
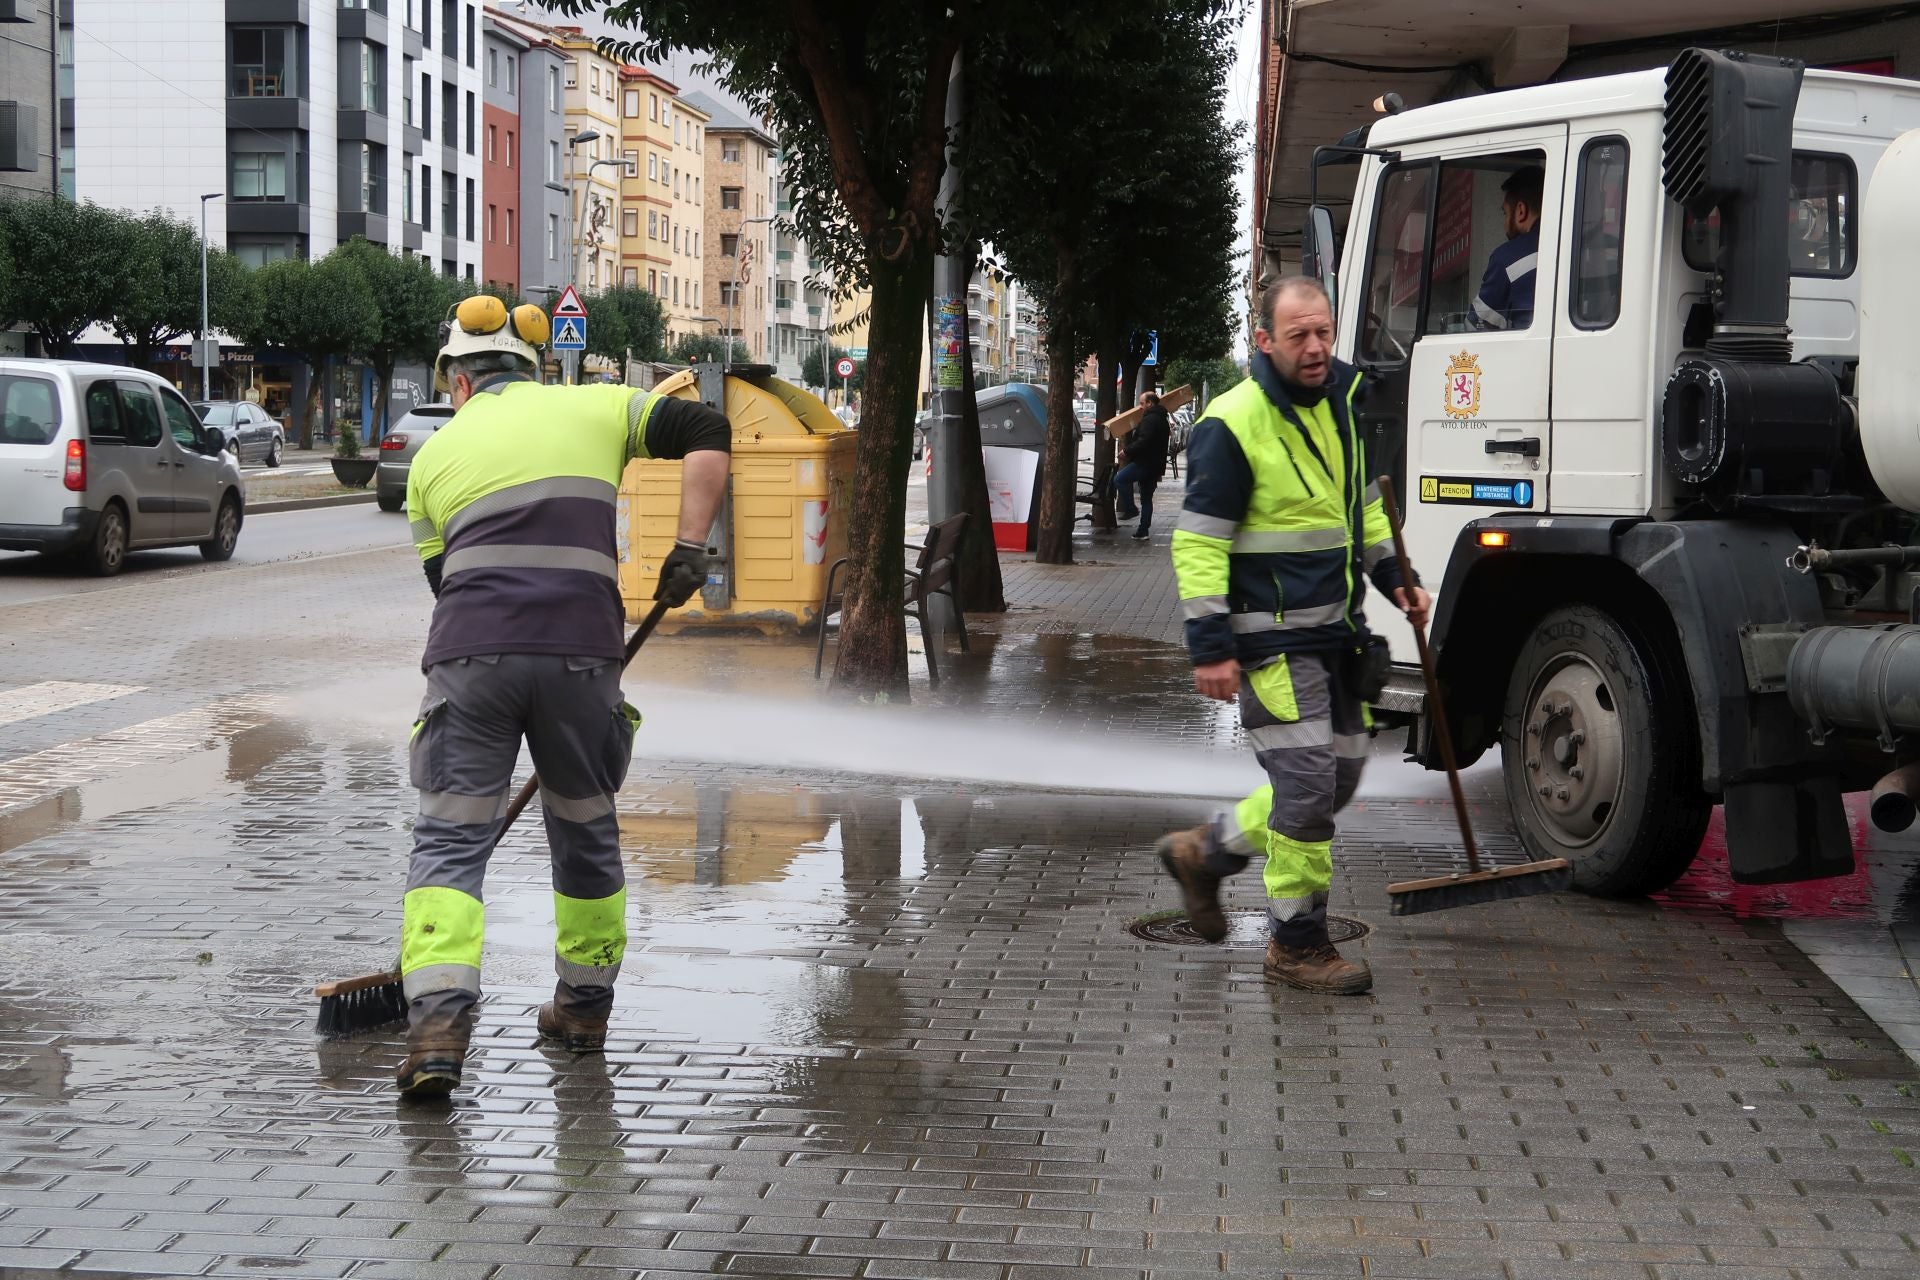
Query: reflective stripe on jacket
pixel 517 493
pixel 1266 549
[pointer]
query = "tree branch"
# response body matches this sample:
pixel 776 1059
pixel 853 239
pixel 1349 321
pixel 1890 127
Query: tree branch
pixel 929 155
pixel 834 97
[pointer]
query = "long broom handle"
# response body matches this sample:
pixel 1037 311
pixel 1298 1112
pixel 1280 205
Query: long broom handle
pixel 639 637
pixel 1442 734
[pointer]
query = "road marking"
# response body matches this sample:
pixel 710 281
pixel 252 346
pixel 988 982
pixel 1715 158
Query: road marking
pixel 28 779
pixel 49 696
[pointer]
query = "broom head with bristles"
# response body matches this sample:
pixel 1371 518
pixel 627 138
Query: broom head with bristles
pixel 1470 889
pixel 360 1004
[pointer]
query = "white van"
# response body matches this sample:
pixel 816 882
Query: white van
pixel 98 460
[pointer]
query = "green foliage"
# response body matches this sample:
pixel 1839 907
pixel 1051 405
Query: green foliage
pixel 69 264
pixel 693 348
pixel 622 318
pixel 411 299
pixel 314 310
pixel 160 298
pixel 1214 375
pixel 817 369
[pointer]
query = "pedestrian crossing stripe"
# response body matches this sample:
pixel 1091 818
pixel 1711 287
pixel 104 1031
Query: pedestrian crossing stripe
pixel 570 334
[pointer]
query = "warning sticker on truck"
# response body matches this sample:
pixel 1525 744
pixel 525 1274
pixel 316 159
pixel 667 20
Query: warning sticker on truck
pixel 1467 491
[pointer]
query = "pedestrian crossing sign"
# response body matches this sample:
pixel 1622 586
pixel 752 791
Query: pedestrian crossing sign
pixel 569 333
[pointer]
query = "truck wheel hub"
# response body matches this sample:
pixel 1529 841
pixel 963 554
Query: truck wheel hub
pixel 1574 749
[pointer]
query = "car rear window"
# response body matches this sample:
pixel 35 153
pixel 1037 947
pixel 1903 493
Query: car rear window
pixel 218 415
pixel 29 410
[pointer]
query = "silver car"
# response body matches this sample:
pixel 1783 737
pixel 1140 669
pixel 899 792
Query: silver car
pixel 98 460
pixel 403 440
pixel 251 435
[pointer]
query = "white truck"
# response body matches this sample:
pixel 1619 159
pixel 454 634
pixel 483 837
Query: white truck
pixel 1667 516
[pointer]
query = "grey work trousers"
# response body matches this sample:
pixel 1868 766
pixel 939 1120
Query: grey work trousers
pixel 465 744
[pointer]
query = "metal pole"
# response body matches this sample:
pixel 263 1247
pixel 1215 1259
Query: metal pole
pixel 945 497
pixel 206 372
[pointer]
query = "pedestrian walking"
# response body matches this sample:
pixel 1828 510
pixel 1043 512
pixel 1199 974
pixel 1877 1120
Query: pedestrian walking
pixel 1145 453
pixel 512 505
pixel 1279 525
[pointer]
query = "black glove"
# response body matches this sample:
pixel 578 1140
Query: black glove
pixel 682 573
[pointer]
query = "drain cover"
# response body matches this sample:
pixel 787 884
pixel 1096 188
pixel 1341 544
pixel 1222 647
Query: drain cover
pixel 1246 927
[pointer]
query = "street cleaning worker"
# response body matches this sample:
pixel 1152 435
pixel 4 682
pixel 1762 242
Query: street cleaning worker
pixel 1279 525
pixel 512 504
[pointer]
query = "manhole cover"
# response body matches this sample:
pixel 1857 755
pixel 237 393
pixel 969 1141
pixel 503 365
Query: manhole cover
pixel 1246 927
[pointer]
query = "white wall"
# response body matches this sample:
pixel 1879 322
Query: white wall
pixel 150 102
pixel 323 134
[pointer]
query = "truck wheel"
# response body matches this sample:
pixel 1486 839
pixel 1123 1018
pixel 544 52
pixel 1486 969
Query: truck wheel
pixel 1593 774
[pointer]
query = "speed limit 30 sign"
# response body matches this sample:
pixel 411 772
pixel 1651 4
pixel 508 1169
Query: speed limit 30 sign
pixel 843 367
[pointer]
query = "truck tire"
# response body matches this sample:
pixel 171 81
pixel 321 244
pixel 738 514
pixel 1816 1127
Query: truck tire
pixel 1622 799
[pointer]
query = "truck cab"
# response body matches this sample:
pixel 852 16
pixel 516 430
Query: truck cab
pixel 1604 492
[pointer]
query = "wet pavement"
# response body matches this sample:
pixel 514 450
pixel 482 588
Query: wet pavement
pixel 871 1025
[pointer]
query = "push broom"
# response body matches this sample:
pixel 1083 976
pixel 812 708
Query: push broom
pixel 1477 884
pixel 378 999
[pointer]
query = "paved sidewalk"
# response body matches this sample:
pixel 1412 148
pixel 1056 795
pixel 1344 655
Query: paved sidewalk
pixel 869 1027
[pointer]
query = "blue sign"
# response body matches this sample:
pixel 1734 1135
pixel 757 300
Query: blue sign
pixel 1471 491
pixel 1153 356
pixel 570 333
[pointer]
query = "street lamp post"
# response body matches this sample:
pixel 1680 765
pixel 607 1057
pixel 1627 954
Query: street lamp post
pixel 734 312
pixel 570 359
pixel 206 368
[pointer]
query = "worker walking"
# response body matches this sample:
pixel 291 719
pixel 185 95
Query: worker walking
pixel 1278 526
pixel 512 505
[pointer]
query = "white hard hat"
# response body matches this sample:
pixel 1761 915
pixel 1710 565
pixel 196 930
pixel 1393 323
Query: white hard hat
pixel 482 323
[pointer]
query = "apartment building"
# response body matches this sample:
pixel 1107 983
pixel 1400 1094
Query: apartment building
pixel 739 196
pixel 686 298
pixel 800 301
pixel 1029 355
pixel 590 151
pixel 646 207
pixel 29 105
pixel 318 122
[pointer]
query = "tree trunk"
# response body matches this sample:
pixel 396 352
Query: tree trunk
pixel 977 564
pixel 872 661
pixel 1060 471
pixel 308 408
pixel 1105 405
pixel 1129 380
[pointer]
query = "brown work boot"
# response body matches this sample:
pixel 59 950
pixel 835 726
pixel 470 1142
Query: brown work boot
pixel 430 1073
pixel 574 1034
pixel 1184 855
pixel 1318 968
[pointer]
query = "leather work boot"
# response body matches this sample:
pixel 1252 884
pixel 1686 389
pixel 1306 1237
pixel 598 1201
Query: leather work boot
pixel 573 1034
pixel 430 1073
pixel 1318 968
pixel 1184 855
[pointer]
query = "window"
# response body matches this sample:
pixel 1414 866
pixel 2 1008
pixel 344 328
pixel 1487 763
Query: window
pixel 653 282
pixel 653 107
pixel 490 220
pixel 676 131
pixel 696 293
pixel 729 197
pixel 449 32
pixel 553 89
pixel 426 197
pixel 469 271
pixel 406 90
pixel 470 39
pixel 449 196
pixel 729 293
pixel 139 414
pixel 373 178
pixel 29 410
pixel 653 225
pixel 696 244
pixel 676 291
pixel 510 157
pixel 629 222
pixel 103 414
pixel 262 63
pixel 696 190
pixel 259 175
pixel 511 237
pixel 553 237
pixel 1397 265
pixel 594 80
pixel 450 115
pixel 676 239
pixel 573 77
pixel 470 208
pixel 630 277
pixel 676 184
pixel 406 198
pixel 630 163
pixel 1821 227
pixel 513 74
pixel 653 165
pixel 729 246
pixel 492 137
pixel 1593 297
pixel 729 152
pixel 471 115
pixel 426 106
pixel 493 67
pixel 1482 268
pixel 181 423
pixel 666 227
pixel 630 104
pixel 553 160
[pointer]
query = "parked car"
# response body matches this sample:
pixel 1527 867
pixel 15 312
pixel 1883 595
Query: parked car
pixel 251 436
pixel 1083 414
pixel 403 440
pixel 98 460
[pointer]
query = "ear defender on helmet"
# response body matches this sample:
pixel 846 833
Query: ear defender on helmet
pixel 532 324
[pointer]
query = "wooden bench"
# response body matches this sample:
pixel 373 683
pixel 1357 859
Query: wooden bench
pixel 931 575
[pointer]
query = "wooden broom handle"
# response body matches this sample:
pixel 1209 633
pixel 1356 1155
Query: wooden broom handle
pixel 1442 735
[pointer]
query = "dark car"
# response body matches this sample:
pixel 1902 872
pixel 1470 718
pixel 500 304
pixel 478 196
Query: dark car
pixel 251 436
pixel 403 440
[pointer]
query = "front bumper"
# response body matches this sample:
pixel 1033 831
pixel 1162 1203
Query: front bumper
pixel 74 530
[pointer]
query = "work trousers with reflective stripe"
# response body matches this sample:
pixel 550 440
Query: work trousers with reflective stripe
pixel 1311 735
pixel 580 734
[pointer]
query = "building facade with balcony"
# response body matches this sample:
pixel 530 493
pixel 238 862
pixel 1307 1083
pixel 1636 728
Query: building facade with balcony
pixel 320 120
pixel 738 200
pixel 685 297
pixel 802 309
pixel 29 99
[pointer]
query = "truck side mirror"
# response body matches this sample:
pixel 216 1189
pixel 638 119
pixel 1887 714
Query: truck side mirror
pixel 1319 257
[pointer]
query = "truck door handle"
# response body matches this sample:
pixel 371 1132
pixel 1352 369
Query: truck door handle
pixel 1526 446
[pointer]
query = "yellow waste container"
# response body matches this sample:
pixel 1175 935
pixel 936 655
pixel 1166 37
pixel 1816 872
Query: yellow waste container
pixel 784 523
